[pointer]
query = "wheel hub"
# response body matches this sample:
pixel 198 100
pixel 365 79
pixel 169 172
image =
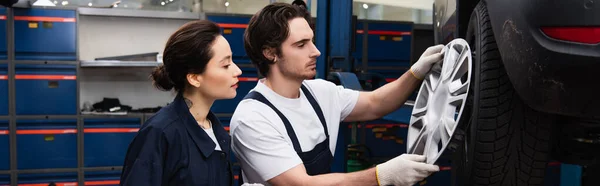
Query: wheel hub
pixel 440 103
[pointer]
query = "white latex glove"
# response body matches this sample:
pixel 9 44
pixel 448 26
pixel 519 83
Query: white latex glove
pixel 432 55
pixel 404 170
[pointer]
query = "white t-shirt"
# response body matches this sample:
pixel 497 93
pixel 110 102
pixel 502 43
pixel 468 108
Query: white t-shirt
pixel 212 136
pixel 259 137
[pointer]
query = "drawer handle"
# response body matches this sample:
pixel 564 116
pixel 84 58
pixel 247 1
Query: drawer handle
pixel 52 84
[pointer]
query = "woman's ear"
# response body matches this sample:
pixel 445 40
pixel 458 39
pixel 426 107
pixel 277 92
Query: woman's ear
pixel 269 53
pixel 195 80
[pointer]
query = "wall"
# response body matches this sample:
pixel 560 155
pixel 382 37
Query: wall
pixel 391 13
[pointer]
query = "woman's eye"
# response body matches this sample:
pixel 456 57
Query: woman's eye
pixel 226 66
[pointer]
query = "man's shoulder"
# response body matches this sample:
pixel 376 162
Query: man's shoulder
pixel 250 109
pixel 318 83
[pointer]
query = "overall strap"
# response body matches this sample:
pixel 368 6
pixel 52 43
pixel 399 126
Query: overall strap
pixel 316 107
pixel 288 126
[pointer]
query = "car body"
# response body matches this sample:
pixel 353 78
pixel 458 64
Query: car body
pixel 551 53
pixel 550 49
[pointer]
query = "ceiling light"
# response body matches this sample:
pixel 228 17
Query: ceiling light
pixel 162 3
pixel 65 3
pixel 227 3
pixel 44 3
pixel 89 4
pixel 365 6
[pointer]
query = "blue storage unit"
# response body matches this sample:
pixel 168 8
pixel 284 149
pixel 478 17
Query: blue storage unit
pixel 45 34
pixel 46 89
pixel 4 146
pixel 389 45
pixel 3 89
pixel 3 43
pixel 59 179
pixel 236 173
pixel 232 28
pixel 385 138
pixel 46 143
pixel 106 140
pixel 103 178
pixel 247 81
pixel 4 180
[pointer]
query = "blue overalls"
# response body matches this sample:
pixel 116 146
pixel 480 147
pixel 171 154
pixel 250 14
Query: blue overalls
pixel 171 149
pixel 317 161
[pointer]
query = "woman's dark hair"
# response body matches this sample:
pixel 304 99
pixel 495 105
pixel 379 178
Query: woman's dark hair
pixel 188 50
pixel 268 29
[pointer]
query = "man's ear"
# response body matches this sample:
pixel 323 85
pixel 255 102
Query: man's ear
pixel 195 80
pixel 270 54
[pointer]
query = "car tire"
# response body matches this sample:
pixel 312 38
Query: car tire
pixel 504 142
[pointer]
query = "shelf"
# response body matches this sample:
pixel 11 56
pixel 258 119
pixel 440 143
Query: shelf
pixel 100 115
pixel 91 169
pixel 108 64
pixel 36 62
pixel 49 170
pixel 46 116
pixel 138 13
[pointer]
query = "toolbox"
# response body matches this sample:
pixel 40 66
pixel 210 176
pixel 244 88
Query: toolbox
pixel 46 89
pixel 46 143
pixel 45 34
pixel 4 146
pixel 3 89
pixel 106 140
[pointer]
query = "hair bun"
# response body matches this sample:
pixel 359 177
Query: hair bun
pixel 299 3
pixel 161 78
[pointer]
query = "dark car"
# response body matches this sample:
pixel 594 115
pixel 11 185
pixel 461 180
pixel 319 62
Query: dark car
pixel 535 95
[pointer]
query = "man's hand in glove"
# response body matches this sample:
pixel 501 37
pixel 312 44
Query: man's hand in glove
pixel 404 170
pixel 431 56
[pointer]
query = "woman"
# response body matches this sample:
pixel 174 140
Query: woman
pixel 184 143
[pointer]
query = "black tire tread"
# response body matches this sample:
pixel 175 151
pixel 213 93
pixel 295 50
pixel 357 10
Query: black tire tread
pixel 511 146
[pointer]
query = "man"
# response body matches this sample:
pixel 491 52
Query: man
pixel 284 132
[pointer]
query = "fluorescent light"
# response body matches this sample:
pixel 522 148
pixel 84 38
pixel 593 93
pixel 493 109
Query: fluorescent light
pixel 65 3
pixel 44 3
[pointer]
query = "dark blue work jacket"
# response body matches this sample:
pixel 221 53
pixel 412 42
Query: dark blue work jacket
pixel 172 149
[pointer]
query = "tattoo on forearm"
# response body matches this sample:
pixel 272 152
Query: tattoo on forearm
pixel 188 102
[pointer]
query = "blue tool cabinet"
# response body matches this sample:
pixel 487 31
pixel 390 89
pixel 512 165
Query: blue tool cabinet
pixel 4 146
pixel 232 28
pixel 4 180
pixel 47 143
pixel 247 81
pixel 3 89
pixel 45 34
pixel 46 179
pixel 103 178
pixel 106 140
pixel 3 43
pixel 386 138
pixel 389 46
pixel 46 89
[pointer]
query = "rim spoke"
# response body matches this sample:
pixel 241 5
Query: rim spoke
pixel 419 112
pixel 457 100
pixel 457 87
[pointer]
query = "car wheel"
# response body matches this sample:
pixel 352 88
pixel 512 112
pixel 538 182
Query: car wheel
pixel 505 142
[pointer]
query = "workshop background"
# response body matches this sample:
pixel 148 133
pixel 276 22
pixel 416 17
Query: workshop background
pixel 74 86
